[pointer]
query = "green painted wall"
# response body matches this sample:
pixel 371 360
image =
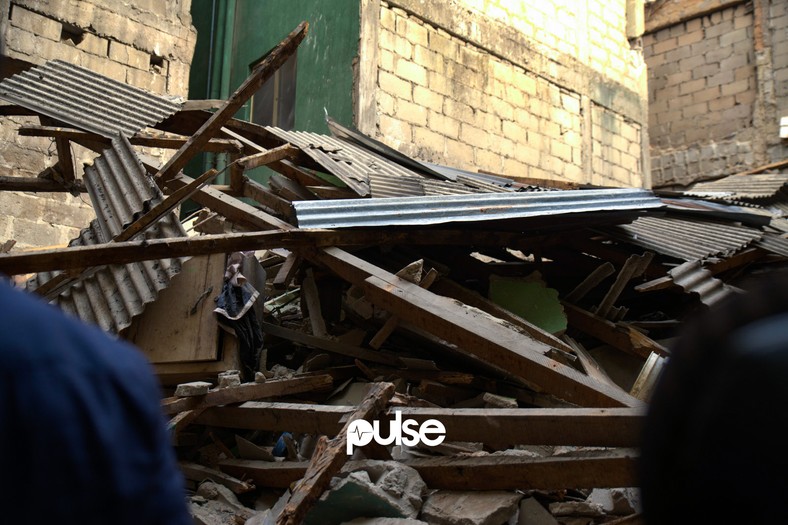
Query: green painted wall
pixel 325 58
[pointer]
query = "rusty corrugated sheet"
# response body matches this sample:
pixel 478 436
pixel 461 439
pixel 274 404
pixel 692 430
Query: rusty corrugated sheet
pixel 759 186
pixel 693 278
pixel 687 239
pixel 86 100
pixel 112 296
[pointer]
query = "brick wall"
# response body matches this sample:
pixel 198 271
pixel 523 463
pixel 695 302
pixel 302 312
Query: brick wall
pixel 778 32
pixel 714 98
pixel 146 43
pixel 519 88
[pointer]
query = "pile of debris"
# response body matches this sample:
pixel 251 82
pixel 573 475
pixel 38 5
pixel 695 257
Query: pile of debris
pixel 530 318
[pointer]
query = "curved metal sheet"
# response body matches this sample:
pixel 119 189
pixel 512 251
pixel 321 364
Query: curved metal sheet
pixel 111 296
pixel 687 239
pixel 86 100
pixel 401 211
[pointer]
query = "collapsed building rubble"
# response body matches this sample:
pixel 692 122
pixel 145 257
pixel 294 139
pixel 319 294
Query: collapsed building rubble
pixel 530 319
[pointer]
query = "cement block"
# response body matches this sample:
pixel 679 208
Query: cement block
pixel 533 513
pixel 35 23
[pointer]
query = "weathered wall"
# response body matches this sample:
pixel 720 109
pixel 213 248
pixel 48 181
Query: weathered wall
pixel 548 89
pixel 146 43
pixel 715 91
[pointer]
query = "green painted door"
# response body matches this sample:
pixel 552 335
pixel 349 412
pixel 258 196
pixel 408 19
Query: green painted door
pixel 233 35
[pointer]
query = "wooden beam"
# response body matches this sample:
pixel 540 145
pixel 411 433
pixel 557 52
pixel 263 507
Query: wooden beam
pixel 329 458
pixel 613 469
pixel 233 209
pixel 602 272
pixel 262 72
pixel 258 192
pixel 287 271
pixel 312 300
pixel 199 473
pixel 247 392
pixel 146 250
pixel 286 151
pixel 473 333
pixel 329 345
pixel 455 290
pixel 39 185
pixel 65 157
pixel 506 427
pixel 140 139
pixel 618 335
pixel 635 266
pixel 165 206
pixel 392 322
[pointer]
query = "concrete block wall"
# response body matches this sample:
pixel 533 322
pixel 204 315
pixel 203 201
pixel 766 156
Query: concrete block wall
pixel 512 88
pixel 145 43
pixel 778 32
pixel 715 94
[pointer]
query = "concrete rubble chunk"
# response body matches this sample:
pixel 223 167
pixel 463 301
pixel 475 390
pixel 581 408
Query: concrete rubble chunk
pixel 576 508
pixel 619 501
pixel 382 489
pixel 196 388
pixel 470 508
pixel 385 521
pixel 533 513
pixel 229 378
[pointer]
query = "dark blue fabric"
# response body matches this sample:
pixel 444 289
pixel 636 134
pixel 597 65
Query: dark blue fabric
pixel 82 436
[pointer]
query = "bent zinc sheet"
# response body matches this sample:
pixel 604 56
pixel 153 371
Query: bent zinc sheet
pixel 410 211
pixel 113 295
pixel 86 100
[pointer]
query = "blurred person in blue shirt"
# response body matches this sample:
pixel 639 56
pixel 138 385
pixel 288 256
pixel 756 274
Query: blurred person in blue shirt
pixel 82 436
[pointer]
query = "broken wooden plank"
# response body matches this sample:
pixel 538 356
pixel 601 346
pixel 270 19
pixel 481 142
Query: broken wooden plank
pixel 590 365
pixel 262 72
pixel 39 185
pixel 602 272
pixel 329 459
pixel 247 392
pixel 140 139
pixel 255 190
pixel 312 299
pixel 286 273
pixel 455 290
pixel 392 322
pixel 634 267
pixel 161 209
pixel 151 249
pixel 234 210
pixel 585 427
pixel 619 335
pixel 286 151
pixel 199 473
pixel 473 333
pixel 648 376
pixel 613 469
pixel 329 345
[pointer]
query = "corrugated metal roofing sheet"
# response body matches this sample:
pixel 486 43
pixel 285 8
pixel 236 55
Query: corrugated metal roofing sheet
pixel 86 99
pixel 693 278
pixel 773 243
pixel 758 186
pixel 112 296
pixel 688 239
pixel 400 211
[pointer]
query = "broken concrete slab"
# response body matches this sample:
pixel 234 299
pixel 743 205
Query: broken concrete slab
pixel 385 521
pixel 382 489
pixel 576 508
pixel 470 508
pixel 533 513
pixel 229 379
pixel 619 501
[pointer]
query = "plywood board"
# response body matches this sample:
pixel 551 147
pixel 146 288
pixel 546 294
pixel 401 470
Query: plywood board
pixel 180 326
